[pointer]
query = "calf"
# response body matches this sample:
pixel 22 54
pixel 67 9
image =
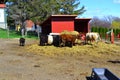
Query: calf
pixel 92 36
pixel 43 39
pixel 22 41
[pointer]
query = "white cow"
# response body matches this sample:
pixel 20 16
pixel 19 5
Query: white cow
pixel 92 36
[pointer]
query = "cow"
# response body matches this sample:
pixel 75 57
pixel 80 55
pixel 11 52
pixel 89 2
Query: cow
pixel 68 39
pixel 22 41
pixel 56 39
pixel 92 36
pixel 50 40
pixel 43 39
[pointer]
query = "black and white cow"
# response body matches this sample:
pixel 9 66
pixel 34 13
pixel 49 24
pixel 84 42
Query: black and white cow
pixel 50 40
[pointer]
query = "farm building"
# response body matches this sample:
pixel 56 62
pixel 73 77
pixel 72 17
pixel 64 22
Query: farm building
pixel 3 22
pixel 59 23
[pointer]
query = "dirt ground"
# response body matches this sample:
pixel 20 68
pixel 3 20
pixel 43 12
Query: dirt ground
pixel 18 64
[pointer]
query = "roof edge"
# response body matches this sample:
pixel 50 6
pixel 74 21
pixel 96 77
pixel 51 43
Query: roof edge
pixel 65 15
pixel 82 18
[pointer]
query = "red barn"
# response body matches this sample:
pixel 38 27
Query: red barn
pixel 59 23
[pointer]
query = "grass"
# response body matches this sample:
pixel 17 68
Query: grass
pixel 3 33
pixel 14 34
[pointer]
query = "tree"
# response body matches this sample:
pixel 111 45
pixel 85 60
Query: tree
pixel 70 7
pixel 42 9
pixel 116 24
pixel 97 22
pixel 94 22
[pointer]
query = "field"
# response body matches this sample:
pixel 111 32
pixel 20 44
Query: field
pixel 33 62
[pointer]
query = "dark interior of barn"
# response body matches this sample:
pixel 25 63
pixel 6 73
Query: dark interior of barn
pixel 81 25
pixel 46 26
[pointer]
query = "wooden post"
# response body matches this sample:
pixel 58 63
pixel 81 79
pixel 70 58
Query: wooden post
pixel 112 38
pixel 106 37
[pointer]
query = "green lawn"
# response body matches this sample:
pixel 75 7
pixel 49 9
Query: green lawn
pixel 3 33
pixel 13 34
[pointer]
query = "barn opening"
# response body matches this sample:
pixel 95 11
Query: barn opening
pixel 82 25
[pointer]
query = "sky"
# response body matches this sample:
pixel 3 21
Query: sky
pixel 100 8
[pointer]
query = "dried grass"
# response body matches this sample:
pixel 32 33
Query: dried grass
pixel 97 49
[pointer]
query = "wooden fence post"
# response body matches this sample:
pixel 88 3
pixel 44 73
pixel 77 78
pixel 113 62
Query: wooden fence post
pixel 112 37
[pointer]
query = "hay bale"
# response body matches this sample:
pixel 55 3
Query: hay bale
pixel 69 32
pixel 64 32
pixel 97 50
pixel 74 33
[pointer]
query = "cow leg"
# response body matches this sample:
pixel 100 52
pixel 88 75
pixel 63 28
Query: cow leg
pixel 43 40
pixel 69 43
pixel 86 40
pixel 20 42
pixel 42 43
pixel 23 43
pixel 63 42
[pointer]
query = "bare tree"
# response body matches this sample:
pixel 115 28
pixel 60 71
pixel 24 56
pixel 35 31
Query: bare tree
pixel 103 22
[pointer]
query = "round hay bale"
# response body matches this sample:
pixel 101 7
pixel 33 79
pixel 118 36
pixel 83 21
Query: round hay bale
pixel 74 33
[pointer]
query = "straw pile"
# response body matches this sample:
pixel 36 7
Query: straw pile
pixel 93 50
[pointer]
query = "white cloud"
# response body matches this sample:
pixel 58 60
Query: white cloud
pixel 116 1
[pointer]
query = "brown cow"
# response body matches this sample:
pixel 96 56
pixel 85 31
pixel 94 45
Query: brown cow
pixel 68 39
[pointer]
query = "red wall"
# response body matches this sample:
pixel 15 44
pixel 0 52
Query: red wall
pixel 61 25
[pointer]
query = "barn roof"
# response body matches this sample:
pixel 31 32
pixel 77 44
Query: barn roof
pixel 48 20
pixel 64 16
pixel 82 19
pixel 2 6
